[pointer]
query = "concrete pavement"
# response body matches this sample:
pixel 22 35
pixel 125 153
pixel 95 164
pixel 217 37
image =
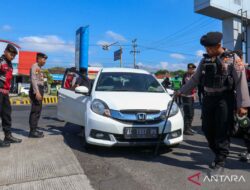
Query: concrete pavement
pixel 38 164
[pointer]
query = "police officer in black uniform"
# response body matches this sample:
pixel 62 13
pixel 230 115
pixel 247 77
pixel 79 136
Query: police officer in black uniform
pixel 5 83
pixel 220 72
pixel 166 82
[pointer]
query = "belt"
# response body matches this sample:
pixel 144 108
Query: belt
pixel 4 91
pixel 215 93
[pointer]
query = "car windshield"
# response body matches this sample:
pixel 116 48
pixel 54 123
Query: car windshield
pixel 130 82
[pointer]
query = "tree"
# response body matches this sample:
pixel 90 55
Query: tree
pixel 56 70
pixel 48 76
pixel 161 72
pixel 178 72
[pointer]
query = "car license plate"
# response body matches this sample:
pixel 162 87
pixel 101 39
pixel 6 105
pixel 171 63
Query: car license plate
pixel 140 132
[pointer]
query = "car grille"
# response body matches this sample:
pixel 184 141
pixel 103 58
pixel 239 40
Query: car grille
pixel 150 122
pixel 130 116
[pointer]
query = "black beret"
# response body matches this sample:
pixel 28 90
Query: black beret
pixel 191 66
pixel 41 55
pixel 211 39
pixel 11 48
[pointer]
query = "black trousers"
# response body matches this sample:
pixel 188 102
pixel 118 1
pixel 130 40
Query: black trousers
pixel 36 108
pixel 217 118
pixel 5 112
pixel 188 109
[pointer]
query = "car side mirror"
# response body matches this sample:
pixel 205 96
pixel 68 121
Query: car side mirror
pixel 82 90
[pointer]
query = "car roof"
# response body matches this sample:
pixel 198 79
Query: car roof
pixel 124 70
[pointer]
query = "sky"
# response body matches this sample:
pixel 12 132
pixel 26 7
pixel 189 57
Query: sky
pixel 167 31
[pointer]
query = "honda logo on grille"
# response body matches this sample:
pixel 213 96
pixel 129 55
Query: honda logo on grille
pixel 141 116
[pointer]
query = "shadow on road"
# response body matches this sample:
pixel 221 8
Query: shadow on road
pixel 75 141
pixel 197 150
pixel 52 118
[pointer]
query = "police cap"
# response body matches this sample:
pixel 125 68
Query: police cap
pixel 10 48
pixel 41 55
pixel 211 39
pixel 191 66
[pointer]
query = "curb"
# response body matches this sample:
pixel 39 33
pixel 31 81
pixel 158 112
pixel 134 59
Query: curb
pixel 26 101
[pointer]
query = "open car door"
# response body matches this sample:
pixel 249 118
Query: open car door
pixel 71 106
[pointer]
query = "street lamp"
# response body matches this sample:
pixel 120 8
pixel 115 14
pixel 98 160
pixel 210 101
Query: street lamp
pixel 106 48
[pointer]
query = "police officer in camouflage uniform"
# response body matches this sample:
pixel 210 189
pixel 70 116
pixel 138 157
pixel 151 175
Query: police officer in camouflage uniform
pixel 36 94
pixel 5 83
pixel 244 156
pixel 220 72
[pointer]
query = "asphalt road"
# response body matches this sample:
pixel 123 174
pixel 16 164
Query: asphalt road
pixel 137 168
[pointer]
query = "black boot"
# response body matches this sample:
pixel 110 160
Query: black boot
pixel 194 131
pixel 245 156
pixel 188 131
pixel 217 168
pixel 218 165
pixel 4 144
pixel 36 134
pixel 10 139
pixel 187 127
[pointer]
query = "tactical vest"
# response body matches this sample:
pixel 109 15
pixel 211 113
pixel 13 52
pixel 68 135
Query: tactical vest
pixel 5 74
pixel 213 75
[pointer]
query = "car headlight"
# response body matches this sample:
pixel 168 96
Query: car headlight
pixel 100 107
pixel 174 110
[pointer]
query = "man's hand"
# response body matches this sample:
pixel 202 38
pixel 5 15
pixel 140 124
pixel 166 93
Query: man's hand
pixel 177 93
pixel 242 111
pixel 38 96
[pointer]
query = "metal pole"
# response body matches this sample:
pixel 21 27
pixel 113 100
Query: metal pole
pixel 134 56
pixel 164 126
pixel 134 51
pixel 246 32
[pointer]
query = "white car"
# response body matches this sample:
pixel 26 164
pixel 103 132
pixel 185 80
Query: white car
pixel 124 107
pixel 170 91
pixel 25 90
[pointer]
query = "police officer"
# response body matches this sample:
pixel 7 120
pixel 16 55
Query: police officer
pixel 82 79
pixel 188 101
pixel 220 72
pixel 5 83
pixel 166 82
pixel 244 156
pixel 176 85
pixel 36 94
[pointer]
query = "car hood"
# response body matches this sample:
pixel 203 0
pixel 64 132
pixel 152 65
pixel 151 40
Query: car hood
pixel 134 100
